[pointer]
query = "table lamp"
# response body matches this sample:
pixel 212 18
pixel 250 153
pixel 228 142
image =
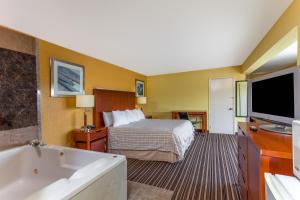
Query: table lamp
pixel 85 101
pixel 141 101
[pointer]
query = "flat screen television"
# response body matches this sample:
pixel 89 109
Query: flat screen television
pixel 275 96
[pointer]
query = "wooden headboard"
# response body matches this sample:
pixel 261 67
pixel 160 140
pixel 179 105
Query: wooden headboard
pixel 109 100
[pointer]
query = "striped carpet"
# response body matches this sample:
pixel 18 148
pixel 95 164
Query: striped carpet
pixel 207 172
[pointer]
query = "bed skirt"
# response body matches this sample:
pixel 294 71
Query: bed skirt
pixel 147 155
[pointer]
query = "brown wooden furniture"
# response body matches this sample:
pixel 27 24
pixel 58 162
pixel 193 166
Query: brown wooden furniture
pixel 108 100
pixel 95 140
pixel 260 152
pixel 148 116
pixel 200 114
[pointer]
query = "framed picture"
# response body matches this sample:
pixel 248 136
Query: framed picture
pixel 139 88
pixel 67 79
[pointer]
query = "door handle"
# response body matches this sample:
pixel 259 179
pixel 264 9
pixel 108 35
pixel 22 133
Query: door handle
pixel 230 108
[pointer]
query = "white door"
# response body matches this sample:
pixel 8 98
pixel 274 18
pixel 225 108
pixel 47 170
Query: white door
pixel 221 105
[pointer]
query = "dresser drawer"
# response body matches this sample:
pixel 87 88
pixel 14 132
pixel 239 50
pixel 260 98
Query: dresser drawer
pixel 242 175
pixel 99 145
pixel 242 141
pixel 244 192
pixel 242 161
pixel 242 145
pixel 95 140
pixel 95 145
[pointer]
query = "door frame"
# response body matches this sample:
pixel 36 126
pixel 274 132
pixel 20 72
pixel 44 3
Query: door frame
pixel 210 99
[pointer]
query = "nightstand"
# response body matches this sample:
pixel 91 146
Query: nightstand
pixel 148 116
pixel 95 140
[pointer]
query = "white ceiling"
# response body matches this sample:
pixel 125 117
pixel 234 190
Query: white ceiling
pixel 286 58
pixel 150 37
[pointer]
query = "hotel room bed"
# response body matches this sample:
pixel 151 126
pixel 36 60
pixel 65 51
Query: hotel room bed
pixel 146 139
pixel 152 139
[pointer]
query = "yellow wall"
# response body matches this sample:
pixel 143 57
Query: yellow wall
pixel 180 91
pixel 188 90
pixel 58 114
pixel 286 23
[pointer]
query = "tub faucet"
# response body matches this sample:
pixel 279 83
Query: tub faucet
pixel 35 143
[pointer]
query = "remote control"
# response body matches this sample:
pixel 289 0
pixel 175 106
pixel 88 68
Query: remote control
pixel 253 128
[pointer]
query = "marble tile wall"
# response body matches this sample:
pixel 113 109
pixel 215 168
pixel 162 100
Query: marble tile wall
pixel 18 86
pixel 18 89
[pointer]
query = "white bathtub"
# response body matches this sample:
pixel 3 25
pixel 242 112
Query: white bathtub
pixel 53 173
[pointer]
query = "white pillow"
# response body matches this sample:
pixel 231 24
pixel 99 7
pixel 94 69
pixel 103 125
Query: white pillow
pixel 131 116
pixel 108 119
pixel 120 118
pixel 140 114
pixel 136 115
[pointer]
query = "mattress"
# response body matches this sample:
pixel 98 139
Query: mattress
pixel 153 134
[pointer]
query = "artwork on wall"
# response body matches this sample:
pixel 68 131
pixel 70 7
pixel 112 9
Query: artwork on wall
pixel 139 88
pixel 67 79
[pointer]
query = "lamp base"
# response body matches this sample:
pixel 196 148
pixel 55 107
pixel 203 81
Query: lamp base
pixel 87 128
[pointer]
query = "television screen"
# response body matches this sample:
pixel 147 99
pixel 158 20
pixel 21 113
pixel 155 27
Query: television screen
pixel 274 96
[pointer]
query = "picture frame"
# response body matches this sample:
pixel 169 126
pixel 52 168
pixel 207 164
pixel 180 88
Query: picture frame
pixel 67 79
pixel 139 88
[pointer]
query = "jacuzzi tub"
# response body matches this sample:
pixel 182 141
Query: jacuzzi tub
pixel 54 172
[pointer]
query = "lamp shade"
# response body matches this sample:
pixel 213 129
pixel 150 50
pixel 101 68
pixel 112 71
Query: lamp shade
pixel 141 100
pixel 85 101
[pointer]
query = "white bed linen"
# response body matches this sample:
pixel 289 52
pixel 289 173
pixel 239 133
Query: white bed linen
pixel 153 134
pixel 120 118
pixel 108 119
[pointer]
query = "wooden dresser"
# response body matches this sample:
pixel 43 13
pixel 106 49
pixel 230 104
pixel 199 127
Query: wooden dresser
pixel 260 152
